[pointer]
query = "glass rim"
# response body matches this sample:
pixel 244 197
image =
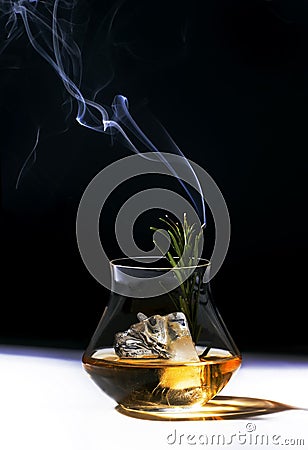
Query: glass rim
pixel 116 263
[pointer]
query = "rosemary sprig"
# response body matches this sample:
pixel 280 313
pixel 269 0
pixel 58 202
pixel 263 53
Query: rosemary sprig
pixel 185 241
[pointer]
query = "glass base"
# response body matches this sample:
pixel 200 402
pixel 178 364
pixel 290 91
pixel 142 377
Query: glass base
pixel 219 408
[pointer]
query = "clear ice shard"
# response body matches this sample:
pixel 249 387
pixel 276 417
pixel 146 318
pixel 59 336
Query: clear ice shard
pixel 166 337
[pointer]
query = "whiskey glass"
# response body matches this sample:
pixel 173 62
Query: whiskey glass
pixel 193 357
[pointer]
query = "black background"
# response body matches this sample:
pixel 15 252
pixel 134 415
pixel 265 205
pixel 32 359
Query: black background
pixel 228 80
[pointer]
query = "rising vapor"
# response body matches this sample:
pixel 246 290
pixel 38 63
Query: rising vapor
pixel 49 27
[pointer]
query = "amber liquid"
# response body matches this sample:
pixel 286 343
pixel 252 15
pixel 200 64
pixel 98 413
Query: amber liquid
pixel 158 384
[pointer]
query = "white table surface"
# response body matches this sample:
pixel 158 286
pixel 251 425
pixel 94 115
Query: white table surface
pixel 48 402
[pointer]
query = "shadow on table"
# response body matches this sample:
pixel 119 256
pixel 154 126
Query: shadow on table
pixel 219 408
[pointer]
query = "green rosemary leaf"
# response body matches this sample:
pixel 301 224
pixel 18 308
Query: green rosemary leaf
pixel 196 248
pixel 170 257
pixel 177 232
pixel 185 242
pixel 175 244
pixel 171 224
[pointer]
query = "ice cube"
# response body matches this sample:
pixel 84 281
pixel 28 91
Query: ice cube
pixel 166 337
